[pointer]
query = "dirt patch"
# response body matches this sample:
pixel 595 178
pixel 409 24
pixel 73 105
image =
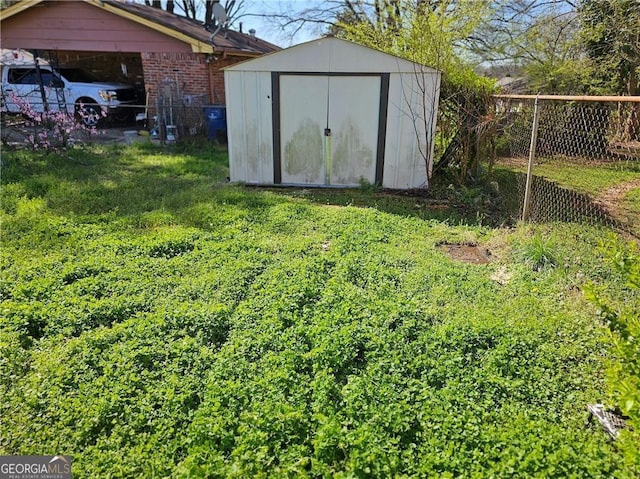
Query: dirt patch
pixel 611 198
pixel 467 253
pixel 501 276
pixel 513 162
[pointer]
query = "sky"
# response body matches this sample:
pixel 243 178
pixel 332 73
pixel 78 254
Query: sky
pixel 253 15
pixel 267 29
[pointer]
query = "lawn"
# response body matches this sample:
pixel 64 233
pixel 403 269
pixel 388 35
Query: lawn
pixel 593 178
pixel 158 321
pixel 615 184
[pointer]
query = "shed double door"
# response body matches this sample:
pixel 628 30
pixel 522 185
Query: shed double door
pixel 329 128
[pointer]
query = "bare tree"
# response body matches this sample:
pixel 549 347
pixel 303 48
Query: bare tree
pixel 202 10
pixel 507 34
pixel 327 16
pixel 290 19
pixel 429 33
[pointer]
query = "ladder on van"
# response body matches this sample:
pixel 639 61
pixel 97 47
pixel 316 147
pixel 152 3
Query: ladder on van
pixel 52 56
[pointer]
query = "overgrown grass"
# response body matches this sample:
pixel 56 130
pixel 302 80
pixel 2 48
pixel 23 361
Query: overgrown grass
pixel 538 253
pixel 157 321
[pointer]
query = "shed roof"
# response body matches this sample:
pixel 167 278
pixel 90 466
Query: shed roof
pixel 331 55
pixel 181 28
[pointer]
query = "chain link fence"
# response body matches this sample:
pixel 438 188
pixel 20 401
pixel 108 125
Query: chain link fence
pixel 191 117
pixel 569 138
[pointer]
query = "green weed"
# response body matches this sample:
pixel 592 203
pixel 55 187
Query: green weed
pixel 156 321
pixel 538 253
pixel 367 186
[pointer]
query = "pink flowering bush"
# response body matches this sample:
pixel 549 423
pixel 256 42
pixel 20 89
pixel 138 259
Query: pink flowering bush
pixel 53 130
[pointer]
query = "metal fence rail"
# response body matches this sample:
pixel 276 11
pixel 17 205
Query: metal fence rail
pixel 165 121
pixel 598 128
pixel 595 131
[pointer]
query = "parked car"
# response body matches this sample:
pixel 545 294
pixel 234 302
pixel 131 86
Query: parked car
pixel 84 94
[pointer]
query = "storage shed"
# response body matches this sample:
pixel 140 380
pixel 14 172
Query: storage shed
pixel 331 113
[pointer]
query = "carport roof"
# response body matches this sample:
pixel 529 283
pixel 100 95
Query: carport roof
pixel 181 28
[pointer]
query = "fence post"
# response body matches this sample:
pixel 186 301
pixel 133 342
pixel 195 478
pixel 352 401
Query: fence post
pixel 532 155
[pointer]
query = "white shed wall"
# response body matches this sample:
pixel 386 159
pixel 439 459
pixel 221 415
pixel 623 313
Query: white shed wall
pixel 249 125
pixel 404 164
pixel 250 114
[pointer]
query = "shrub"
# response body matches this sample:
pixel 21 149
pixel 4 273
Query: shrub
pixel 52 130
pixel 623 319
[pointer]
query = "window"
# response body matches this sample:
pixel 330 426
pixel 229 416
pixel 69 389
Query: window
pixel 19 75
pixel 29 76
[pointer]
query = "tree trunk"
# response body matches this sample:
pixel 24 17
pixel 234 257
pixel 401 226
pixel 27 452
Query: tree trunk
pixel 208 12
pixel 632 123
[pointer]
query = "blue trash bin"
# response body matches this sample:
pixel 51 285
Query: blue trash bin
pixel 216 120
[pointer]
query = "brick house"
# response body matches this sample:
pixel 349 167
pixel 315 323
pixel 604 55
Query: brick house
pixel 130 42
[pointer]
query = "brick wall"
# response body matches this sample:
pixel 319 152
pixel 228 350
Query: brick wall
pixel 197 77
pixel 217 77
pixel 179 76
pixel 187 70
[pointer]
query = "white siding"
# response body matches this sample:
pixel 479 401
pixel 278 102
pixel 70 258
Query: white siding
pixel 401 154
pixel 249 126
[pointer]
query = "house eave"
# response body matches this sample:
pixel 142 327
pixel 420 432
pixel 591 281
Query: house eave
pixel 197 46
pixel 17 8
